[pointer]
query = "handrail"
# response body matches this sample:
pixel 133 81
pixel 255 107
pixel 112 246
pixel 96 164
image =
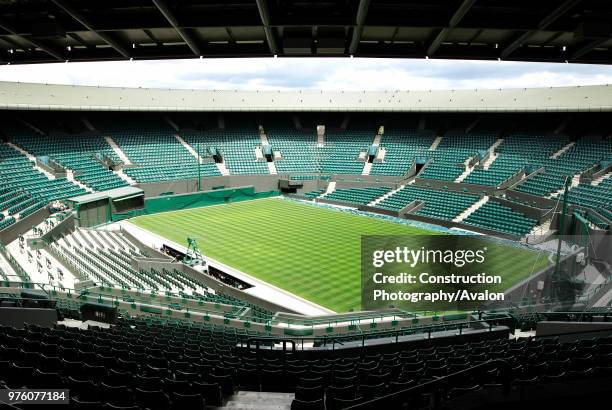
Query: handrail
pixel 258 340
pixel 435 385
pixel 578 332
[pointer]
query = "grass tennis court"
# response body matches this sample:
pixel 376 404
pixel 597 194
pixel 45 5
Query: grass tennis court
pixel 309 251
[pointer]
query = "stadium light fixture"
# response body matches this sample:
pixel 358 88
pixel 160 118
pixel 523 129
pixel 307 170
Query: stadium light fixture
pixel 69 48
pixel 564 48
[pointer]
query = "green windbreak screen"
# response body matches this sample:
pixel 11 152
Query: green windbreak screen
pixel 195 200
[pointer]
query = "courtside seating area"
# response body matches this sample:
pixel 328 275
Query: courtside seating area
pixel 437 204
pixel 516 152
pixel 340 155
pixel 495 216
pixel 314 194
pixel 76 153
pixel 586 152
pixel 24 189
pixel 598 197
pixel 402 146
pixel 157 154
pixel 452 152
pixel 236 145
pixel 105 258
pixel 360 196
pixel 298 149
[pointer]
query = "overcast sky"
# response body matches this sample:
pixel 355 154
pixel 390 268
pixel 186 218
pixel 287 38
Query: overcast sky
pixel 311 74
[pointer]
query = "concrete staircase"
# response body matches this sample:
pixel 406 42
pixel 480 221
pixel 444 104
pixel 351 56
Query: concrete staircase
pixel 541 229
pixel 30 126
pixel 562 150
pixel 376 141
pixel 88 124
pixel 385 196
pixel 125 177
pixel 331 187
pixel 258 154
pixel 468 171
pixel 70 177
pixel 118 151
pixel 222 168
pixel 599 180
pixel 320 139
pixel 575 183
pixel 188 147
pixel 435 144
pixel 171 123
pixel 264 138
pixel 367 167
pixel 31 158
pixel 272 168
pixel 250 400
pixel 471 209
pixel 492 154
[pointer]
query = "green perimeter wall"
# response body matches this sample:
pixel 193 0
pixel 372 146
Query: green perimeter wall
pixel 166 203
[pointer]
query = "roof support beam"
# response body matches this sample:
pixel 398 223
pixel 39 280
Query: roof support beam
pixel 169 15
pixel 264 13
pixel 546 21
pixel 362 12
pixel 587 48
pixel 47 49
pixel 81 18
pixel 455 19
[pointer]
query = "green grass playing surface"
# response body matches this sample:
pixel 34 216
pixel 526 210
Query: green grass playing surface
pixel 307 250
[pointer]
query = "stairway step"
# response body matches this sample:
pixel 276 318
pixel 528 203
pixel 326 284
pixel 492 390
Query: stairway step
pixel 251 400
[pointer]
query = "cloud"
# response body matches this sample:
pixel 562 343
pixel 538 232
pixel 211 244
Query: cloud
pixel 311 74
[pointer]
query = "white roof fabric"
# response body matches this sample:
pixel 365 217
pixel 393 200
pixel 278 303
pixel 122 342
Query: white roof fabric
pixel 28 96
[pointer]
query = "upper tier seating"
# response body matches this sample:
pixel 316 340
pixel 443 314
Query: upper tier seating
pixel 587 152
pixel 495 216
pixel 452 152
pixel 340 155
pixel 518 151
pixel 438 204
pixel 298 149
pixel 157 154
pixel 24 189
pixel 360 196
pixel 402 147
pixel 75 153
pixel 237 147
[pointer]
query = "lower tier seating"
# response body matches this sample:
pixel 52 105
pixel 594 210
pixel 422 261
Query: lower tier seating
pixel 495 216
pixel 437 204
pixel 361 196
pixel 147 363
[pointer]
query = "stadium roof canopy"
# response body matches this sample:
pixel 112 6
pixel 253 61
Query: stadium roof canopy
pixel 27 96
pixel 34 31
